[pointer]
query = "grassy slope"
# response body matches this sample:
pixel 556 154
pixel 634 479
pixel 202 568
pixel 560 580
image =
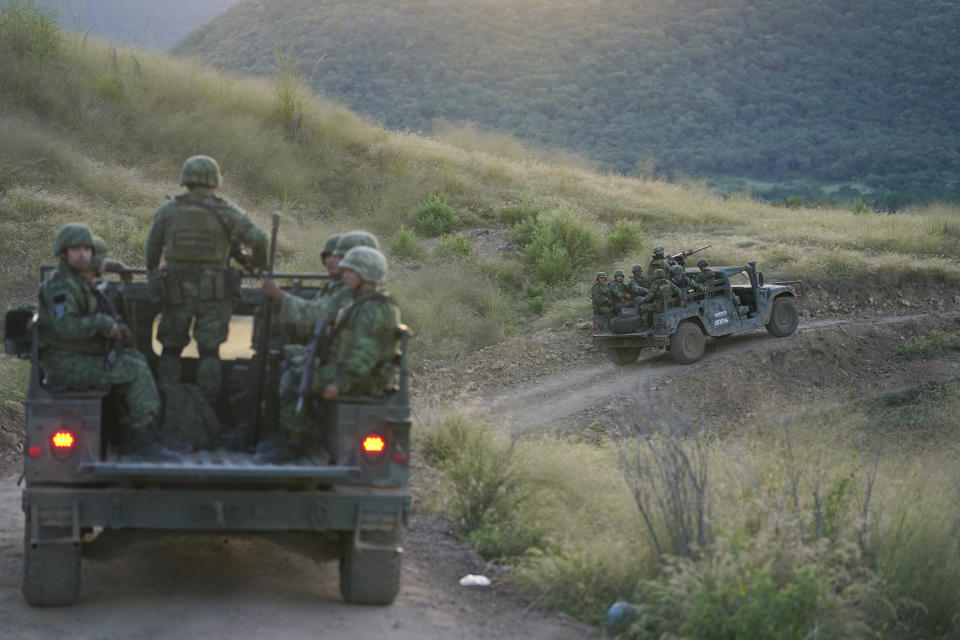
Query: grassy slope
pixel 99 135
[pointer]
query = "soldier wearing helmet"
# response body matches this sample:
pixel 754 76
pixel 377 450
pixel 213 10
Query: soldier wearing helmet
pixel 663 294
pixel 196 233
pixel 74 341
pixel 303 313
pixel 659 260
pixel 639 285
pixel 619 293
pixel 600 298
pixel 680 279
pixel 362 354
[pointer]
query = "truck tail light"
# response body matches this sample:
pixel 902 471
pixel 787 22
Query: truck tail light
pixel 63 442
pixel 373 446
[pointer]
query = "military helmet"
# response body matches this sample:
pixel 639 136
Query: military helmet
pixel 658 273
pixel 601 274
pixel 658 250
pixel 676 270
pixel 369 263
pixel 703 262
pixel 74 234
pixel 201 170
pixel 329 246
pixel 355 239
pixel 636 268
pixel 100 253
pixel 618 272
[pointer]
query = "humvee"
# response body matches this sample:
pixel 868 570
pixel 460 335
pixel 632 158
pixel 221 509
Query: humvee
pixel 737 302
pixel 82 497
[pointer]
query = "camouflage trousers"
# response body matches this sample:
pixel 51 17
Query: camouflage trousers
pixel 211 322
pixel 130 376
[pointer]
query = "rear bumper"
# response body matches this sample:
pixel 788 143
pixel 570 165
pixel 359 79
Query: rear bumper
pixel 213 510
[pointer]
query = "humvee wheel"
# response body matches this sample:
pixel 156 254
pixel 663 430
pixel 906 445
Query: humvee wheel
pixel 783 317
pixel 623 355
pixel 370 576
pixel 686 345
pixel 51 572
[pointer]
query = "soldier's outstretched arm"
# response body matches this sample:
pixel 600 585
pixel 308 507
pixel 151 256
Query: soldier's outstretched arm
pixel 249 234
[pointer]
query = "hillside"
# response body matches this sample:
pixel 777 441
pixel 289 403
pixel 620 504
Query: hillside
pixel 151 25
pixel 837 99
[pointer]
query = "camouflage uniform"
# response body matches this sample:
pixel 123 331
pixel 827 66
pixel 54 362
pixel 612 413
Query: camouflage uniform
pixel 363 347
pixel 659 261
pixel 639 284
pixel 73 345
pixel 600 297
pixel 194 233
pixel 681 280
pixel 663 293
pixel 619 292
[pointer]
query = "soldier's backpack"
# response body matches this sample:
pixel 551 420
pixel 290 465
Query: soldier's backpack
pixel 187 416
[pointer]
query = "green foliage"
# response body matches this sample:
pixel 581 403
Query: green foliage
pixel 454 245
pixel 289 93
pixel 404 245
pixel 859 206
pixel 29 28
pixel 109 86
pixel 520 212
pixel 434 216
pixel 932 344
pixel 506 274
pixel 626 238
pixel 535 296
pixel 523 231
pixel 560 244
pixel 507 540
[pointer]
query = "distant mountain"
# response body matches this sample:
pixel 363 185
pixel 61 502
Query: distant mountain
pixel 861 93
pixel 152 25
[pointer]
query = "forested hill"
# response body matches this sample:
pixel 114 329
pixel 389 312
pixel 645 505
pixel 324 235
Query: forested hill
pixel 145 23
pixel 862 92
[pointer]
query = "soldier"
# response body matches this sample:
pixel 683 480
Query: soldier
pixel 600 297
pixel 196 233
pixel 639 284
pixel 303 313
pixel 659 260
pixel 363 353
pixel 680 279
pixel 102 263
pixel 663 294
pixel 619 293
pixel 75 341
pixel 708 275
pixel 331 262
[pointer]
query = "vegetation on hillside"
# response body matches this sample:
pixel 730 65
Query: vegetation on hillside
pixel 822 101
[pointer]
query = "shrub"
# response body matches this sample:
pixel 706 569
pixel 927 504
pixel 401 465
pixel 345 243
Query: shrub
pixel 553 266
pixel 404 245
pixel 536 298
pixel 29 28
pixel 435 217
pixel 109 86
pixel 454 245
pixel 625 238
pixel 561 243
pixel 523 232
pixel 931 344
pixel 506 274
pixel 498 541
pixel 519 213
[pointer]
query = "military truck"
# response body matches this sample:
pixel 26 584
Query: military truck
pixel 82 497
pixel 736 300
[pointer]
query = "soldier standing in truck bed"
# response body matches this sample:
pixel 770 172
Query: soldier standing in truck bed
pixel 659 260
pixel 196 232
pixel 75 340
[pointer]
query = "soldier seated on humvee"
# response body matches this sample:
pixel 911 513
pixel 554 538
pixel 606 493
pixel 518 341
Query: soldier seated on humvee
pixel 362 355
pixel 663 294
pixel 76 339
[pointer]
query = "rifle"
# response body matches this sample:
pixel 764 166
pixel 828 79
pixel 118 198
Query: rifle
pixel 263 349
pixel 105 305
pixel 680 257
pixel 307 374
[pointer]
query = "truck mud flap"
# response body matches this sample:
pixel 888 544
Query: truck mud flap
pixel 370 520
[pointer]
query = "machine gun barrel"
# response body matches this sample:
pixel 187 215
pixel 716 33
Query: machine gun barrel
pixel 683 255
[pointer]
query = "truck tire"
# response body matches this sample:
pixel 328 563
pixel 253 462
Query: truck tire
pixel 51 572
pixel 623 355
pixel 686 345
pixel 784 317
pixel 370 576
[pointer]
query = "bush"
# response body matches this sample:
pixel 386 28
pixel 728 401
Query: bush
pixel 505 540
pixel 561 243
pixel 519 213
pixel 109 86
pixel 553 266
pixel 931 344
pixel 523 232
pixel 454 245
pixel 505 274
pixel 536 298
pixel 625 238
pixel 29 28
pixel 435 217
pixel 404 245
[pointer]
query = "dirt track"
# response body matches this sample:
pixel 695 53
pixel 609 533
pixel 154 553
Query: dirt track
pixel 215 587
